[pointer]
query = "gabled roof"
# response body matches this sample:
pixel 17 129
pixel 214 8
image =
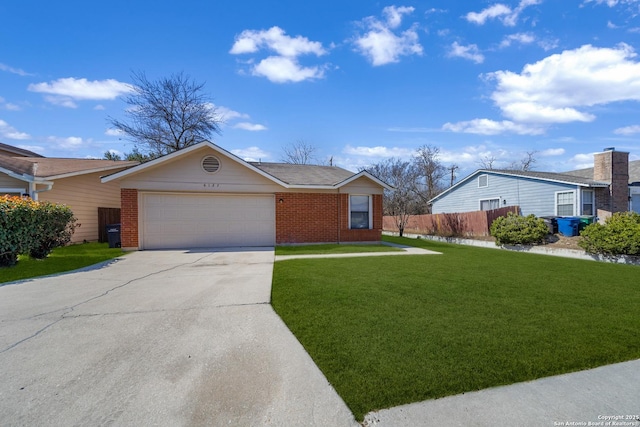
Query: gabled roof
pixel 634 171
pixel 35 168
pixel 18 151
pixel 562 178
pixel 284 174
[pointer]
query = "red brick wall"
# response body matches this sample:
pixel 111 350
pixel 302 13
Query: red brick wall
pixel 129 217
pixel 313 218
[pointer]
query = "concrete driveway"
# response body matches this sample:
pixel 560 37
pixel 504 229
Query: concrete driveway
pixel 158 338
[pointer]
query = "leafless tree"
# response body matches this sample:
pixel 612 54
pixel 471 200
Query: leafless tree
pixel 168 114
pixel 487 162
pixel 299 153
pixel 430 173
pixel 400 202
pixel 527 163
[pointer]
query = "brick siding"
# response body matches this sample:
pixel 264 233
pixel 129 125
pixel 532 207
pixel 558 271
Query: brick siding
pixel 318 218
pixel 129 217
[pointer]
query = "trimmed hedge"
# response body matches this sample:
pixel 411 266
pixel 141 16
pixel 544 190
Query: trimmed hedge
pixel 519 230
pixel 33 228
pixel 620 235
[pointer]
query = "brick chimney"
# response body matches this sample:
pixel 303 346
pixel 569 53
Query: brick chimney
pixel 612 166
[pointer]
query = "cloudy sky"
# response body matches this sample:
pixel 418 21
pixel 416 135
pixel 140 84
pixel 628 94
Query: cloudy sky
pixel 361 81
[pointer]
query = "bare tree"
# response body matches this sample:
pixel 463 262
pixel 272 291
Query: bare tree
pixel 527 163
pixel 401 201
pixel 167 115
pixel 430 173
pixel 299 153
pixel 487 162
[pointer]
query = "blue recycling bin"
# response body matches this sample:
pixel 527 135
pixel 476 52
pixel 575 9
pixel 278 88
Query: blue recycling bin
pixel 568 226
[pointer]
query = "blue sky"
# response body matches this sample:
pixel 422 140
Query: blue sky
pixel 361 81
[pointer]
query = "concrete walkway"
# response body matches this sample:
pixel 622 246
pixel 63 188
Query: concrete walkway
pixel 158 338
pixel 405 250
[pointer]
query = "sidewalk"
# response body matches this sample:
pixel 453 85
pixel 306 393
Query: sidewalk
pixel 406 250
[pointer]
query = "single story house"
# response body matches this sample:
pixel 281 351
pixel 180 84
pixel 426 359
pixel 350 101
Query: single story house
pixel 205 196
pixel 599 191
pixel 73 182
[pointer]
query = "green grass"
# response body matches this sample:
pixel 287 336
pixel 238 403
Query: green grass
pixel 332 249
pixel 393 330
pixel 61 259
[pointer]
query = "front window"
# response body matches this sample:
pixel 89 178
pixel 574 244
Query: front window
pixel 359 212
pixel 587 203
pixel 565 203
pixel 489 204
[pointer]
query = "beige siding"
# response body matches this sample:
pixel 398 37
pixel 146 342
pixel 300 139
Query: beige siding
pixel 7 182
pixel 186 174
pixel 84 194
pixel 362 185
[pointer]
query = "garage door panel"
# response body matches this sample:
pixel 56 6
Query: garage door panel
pixel 190 221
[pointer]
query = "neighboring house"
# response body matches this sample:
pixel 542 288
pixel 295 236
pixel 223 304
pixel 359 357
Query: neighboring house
pixel 204 196
pixel 603 191
pixel 73 182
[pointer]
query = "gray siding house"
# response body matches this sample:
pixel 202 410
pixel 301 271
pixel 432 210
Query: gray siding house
pixel 607 190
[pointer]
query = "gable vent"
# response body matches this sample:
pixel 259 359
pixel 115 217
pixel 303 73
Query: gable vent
pixel 211 164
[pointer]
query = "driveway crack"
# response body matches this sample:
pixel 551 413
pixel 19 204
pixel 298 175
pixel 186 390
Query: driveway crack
pixel 67 310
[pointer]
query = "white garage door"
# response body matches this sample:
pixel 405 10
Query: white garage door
pixel 171 221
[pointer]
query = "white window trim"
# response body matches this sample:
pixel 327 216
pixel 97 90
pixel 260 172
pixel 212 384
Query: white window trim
pixel 480 176
pixel 10 190
pixel 499 199
pixel 593 202
pixel 370 211
pixel 575 201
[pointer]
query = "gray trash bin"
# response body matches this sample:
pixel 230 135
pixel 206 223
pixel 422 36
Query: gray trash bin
pixel 113 235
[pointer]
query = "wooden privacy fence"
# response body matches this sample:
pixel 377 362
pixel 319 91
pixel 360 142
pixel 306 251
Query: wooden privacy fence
pixel 475 223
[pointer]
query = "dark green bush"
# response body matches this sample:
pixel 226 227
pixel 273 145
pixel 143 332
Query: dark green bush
pixel 620 235
pixel 519 230
pixel 30 227
pixel 55 226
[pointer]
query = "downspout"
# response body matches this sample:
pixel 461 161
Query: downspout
pixel 339 211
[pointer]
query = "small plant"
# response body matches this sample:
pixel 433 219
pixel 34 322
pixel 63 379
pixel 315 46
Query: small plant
pixel 620 235
pixel 519 230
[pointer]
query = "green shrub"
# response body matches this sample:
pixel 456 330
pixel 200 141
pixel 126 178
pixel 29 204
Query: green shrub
pixel 519 230
pixel 30 227
pixel 620 235
pixel 55 226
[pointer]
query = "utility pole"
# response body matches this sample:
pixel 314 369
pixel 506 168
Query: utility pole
pixel 453 168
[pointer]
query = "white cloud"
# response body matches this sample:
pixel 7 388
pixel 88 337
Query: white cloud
pixel 12 70
pixel 8 106
pixel 227 114
pixel 381 45
pixel 628 130
pixel 67 90
pixel 378 151
pixel 253 127
pixel 10 132
pixel 113 132
pixel 69 143
pixel 285 66
pixel 282 69
pixel 251 154
pixel 275 39
pixel 556 89
pixel 582 161
pixel 505 14
pixel 470 52
pixel 99 107
pixel 612 3
pixel 492 127
pixel 521 38
pixel 551 152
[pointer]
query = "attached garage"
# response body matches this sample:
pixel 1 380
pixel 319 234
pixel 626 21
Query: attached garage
pixel 174 220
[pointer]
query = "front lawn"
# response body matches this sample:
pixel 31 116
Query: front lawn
pixel 60 260
pixel 393 330
pixel 326 249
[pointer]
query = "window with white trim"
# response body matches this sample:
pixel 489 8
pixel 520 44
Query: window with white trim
pixel 588 203
pixel 483 181
pixel 565 203
pixel 489 204
pixel 360 212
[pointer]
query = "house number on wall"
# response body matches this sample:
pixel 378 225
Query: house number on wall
pixel 211 185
